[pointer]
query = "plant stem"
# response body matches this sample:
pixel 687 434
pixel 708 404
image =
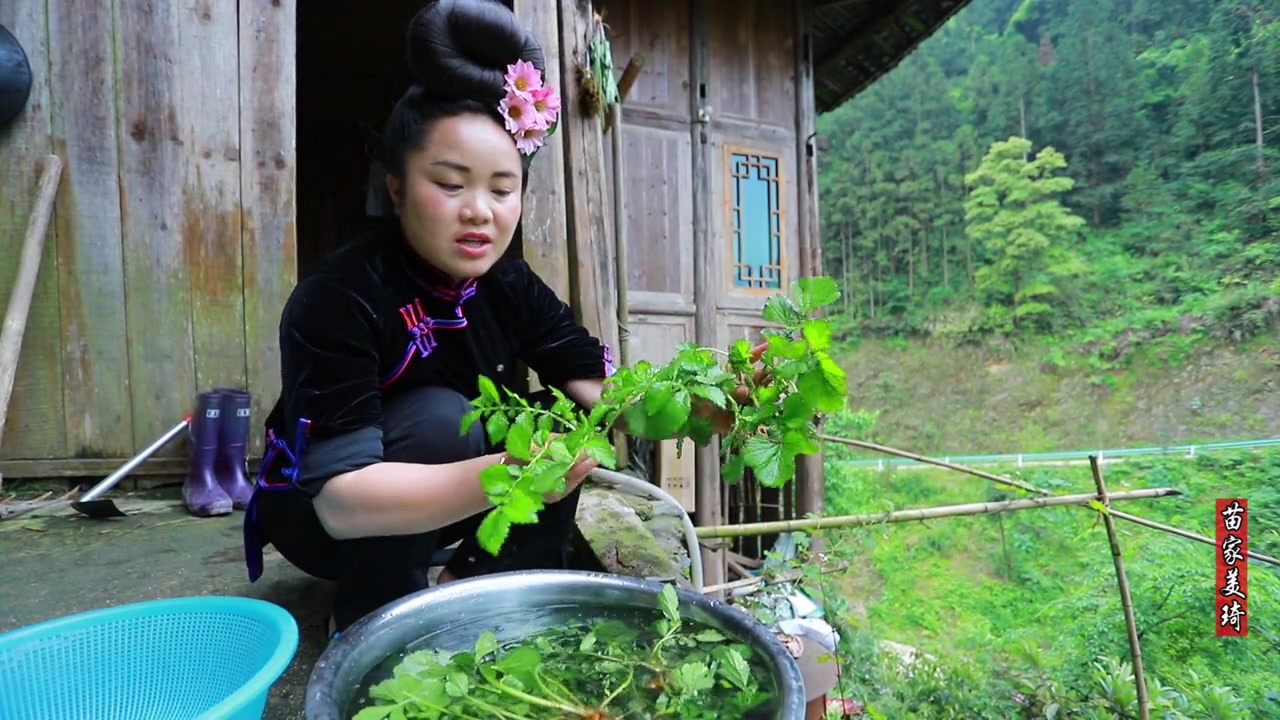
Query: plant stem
pixel 535 700
pixel 986 508
pixel 641 663
pixel 1126 602
pixel 631 673
pixel 493 709
pixel 568 697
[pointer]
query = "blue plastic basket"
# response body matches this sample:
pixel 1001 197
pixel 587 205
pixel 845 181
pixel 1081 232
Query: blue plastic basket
pixel 173 659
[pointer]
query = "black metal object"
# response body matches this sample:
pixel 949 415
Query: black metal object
pixel 15 77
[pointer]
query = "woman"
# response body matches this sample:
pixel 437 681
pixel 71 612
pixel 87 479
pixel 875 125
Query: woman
pixel 366 474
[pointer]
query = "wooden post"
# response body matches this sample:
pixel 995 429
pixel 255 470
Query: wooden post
pixel 1126 602
pixel 707 490
pixel 543 224
pixel 810 485
pixel 590 247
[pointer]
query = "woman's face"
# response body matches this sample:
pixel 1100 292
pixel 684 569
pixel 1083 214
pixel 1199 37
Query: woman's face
pixel 459 201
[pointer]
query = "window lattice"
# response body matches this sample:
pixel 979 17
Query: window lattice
pixel 755 221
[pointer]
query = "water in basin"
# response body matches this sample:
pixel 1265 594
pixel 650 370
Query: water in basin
pixel 597 663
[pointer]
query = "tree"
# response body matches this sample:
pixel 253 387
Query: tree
pixel 1013 209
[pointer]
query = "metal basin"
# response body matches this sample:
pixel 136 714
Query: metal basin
pixel 514 605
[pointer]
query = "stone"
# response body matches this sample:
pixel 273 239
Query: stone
pixel 620 539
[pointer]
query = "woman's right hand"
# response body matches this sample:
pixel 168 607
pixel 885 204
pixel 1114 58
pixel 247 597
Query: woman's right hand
pixel 572 479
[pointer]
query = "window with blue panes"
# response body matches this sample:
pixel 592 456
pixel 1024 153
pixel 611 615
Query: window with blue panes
pixel 755 221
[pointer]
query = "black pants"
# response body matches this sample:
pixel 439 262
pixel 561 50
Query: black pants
pixel 420 426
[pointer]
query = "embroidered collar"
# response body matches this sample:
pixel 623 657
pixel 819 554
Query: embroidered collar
pixel 431 278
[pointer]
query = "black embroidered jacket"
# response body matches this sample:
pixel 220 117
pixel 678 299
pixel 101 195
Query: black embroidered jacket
pixel 374 319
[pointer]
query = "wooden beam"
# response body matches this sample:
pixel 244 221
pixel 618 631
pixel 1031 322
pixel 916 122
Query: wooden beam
pixel 825 66
pixel 543 225
pixel 268 179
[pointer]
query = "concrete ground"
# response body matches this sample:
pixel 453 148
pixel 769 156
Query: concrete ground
pixel 57 562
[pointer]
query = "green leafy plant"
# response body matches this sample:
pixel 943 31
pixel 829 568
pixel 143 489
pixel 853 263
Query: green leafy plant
pixel 601 670
pixel 773 411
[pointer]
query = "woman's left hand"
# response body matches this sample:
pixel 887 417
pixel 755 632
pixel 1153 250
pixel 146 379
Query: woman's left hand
pixel 722 418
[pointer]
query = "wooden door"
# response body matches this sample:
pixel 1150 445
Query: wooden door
pixel 657 172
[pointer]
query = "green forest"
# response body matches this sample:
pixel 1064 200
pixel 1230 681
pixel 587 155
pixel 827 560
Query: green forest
pixel 1057 226
pixel 1101 173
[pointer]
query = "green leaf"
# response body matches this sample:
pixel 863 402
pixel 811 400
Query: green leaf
pixel 488 391
pixel 521 508
pixel 824 385
pixel 669 603
pixel 599 448
pixel 497 425
pixel 797 411
pixel 766 457
pixel 709 636
pixel 667 409
pixel 486 643
pixel 798 443
pixel 558 449
pixel 815 292
pixel 457 685
pixel 783 347
pixel 779 309
pixel 376 712
pixel 732 469
pixel 520 437
pixel 736 670
pixel 468 420
pixel 498 480
pixel 740 355
pixel 548 477
pixel 493 531
pixel 712 394
pixel 817 333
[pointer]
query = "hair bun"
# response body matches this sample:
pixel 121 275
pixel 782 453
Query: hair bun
pixel 461 48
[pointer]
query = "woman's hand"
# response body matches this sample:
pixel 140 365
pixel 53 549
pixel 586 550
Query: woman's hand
pixel 722 418
pixel 573 478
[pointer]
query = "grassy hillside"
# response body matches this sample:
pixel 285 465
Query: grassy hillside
pixel 935 397
pixel 1021 611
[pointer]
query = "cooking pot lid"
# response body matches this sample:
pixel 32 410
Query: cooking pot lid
pixel 15 77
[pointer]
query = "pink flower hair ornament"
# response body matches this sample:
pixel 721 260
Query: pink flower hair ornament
pixel 530 110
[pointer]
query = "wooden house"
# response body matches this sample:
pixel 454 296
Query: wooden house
pixel 213 151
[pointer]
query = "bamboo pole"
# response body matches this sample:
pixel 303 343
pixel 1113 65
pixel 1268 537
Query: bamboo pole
pixel 897 516
pixel 934 461
pixel 1126 600
pixel 1030 488
pixel 24 283
pixel 1188 535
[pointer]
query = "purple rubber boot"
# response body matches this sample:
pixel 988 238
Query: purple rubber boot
pixel 232 467
pixel 201 492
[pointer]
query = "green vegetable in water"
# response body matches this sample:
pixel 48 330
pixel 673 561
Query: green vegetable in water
pixel 605 670
pixel 775 425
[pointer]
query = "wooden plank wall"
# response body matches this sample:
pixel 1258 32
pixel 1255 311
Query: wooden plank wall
pixel 160 282
pixel 36 421
pixel 752 91
pixel 720 76
pixel 657 177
